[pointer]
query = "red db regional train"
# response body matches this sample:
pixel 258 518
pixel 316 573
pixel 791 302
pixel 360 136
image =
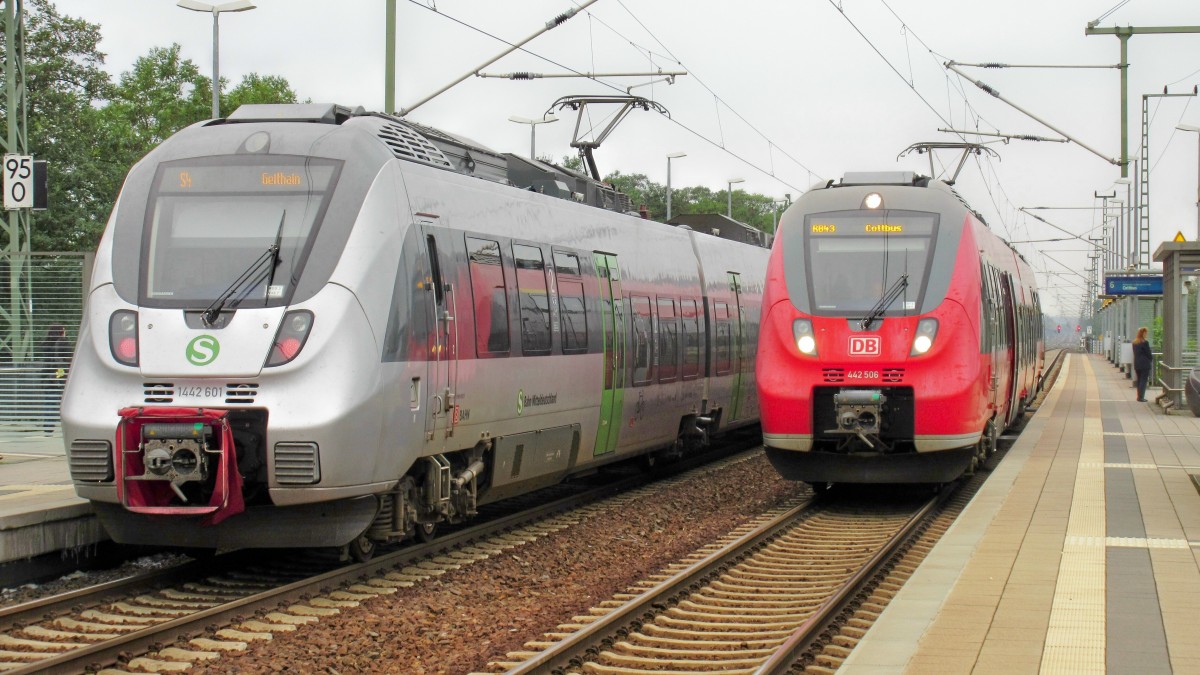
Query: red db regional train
pixel 899 334
pixel 316 326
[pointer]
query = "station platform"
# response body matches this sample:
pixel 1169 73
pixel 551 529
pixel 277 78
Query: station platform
pixel 1080 554
pixel 39 512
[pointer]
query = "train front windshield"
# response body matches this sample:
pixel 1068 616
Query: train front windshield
pixel 236 225
pixel 854 258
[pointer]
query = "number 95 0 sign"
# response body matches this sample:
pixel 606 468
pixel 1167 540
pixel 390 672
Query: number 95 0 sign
pixel 18 181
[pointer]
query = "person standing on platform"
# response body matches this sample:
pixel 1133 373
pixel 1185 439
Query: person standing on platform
pixel 1143 361
pixel 55 354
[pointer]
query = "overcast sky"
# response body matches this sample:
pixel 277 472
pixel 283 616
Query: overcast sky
pixel 782 94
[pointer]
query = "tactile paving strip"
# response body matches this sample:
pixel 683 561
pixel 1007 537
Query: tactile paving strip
pixel 1075 641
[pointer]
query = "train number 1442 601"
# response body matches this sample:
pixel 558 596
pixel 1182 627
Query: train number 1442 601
pixel 201 392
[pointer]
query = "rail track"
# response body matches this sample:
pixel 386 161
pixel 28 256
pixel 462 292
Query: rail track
pixel 168 619
pixel 792 591
pixel 730 607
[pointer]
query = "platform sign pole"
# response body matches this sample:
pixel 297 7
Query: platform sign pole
pixel 18 182
pixel 16 329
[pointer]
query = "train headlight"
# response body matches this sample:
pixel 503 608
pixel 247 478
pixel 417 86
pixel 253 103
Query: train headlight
pixel 923 340
pixel 806 340
pixel 873 200
pixel 293 332
pixel 123 336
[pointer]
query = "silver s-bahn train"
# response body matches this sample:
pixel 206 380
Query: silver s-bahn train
pixel 310 326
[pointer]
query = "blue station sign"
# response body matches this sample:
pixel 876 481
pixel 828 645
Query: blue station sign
pixel 1140 284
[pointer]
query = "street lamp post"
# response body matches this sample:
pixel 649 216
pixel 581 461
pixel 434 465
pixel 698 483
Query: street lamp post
pixel 532 130
pixel 1188 127
pixel 673 155
pixel 787 199
pixel 235 6
pixel 729 192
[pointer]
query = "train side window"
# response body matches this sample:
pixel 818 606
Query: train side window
pixel 534 299
pixel 573 316
pixel 641 326
pixel 490 295
pixel 566 263
pixel 985 305
pixel 723 339
pixel 668 340
pixel 690 316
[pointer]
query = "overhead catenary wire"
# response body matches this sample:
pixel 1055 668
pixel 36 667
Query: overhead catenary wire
pixel 549 25
pixel 956 85
pixel 701 82
pixel 911 86
pixel 996 94
pixel 614 87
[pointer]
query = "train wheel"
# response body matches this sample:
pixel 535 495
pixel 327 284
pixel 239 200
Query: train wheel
pixel 821 488
pixel 362 548
pixel 427 532
pixel 990 437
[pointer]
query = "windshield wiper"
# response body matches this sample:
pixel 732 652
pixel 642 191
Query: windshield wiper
pixel 252 273
pixel 889 296
pixel 275 258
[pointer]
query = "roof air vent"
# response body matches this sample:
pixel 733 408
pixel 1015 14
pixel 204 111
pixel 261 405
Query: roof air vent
pixel 408 144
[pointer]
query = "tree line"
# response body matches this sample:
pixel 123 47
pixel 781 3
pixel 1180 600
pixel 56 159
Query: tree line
pixel 92 129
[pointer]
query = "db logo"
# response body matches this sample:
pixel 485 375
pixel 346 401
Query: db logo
pixel 864 345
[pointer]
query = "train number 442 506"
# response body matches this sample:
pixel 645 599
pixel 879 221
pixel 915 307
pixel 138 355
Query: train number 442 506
pixel 862 375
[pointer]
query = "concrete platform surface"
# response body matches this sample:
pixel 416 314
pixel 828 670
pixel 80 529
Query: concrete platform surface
pixel 1081 554
pixel 39 512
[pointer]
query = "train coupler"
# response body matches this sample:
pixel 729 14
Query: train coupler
pixel 859 413
pixel 170 459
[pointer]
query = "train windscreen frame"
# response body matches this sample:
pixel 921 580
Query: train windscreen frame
pixel 211 220
pixel 853 258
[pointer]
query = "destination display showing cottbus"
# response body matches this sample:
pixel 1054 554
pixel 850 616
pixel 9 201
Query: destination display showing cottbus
pixel 1141 284
pixel 871 223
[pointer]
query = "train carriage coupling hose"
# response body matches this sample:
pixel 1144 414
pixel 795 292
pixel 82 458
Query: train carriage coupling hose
pixel 469 473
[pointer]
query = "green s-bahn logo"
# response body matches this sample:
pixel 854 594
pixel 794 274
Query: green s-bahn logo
pixel 203 350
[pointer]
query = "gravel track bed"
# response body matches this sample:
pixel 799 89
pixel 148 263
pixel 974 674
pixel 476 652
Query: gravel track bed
pixel 457 622
pixel 85 578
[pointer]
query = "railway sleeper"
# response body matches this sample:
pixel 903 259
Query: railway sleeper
pixel 658 664
pixel 721 627
pixel 190 655
pixel 736 617
pixel 72 624
pixel 756 613
pixel 121 619
pixel 686 643
pixel 235 635
pixel 715 652
pixel 158 665
pixel 295 619
pixel 598 669
pixel 727 632
pixel 139 610
pixel 752 599
pixel 52 634
pixel 22 659
pixel 263 627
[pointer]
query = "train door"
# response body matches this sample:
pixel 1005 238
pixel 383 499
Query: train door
pixel 613 330
pixel 1012 349
pixel 738 338
pixel 443 348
